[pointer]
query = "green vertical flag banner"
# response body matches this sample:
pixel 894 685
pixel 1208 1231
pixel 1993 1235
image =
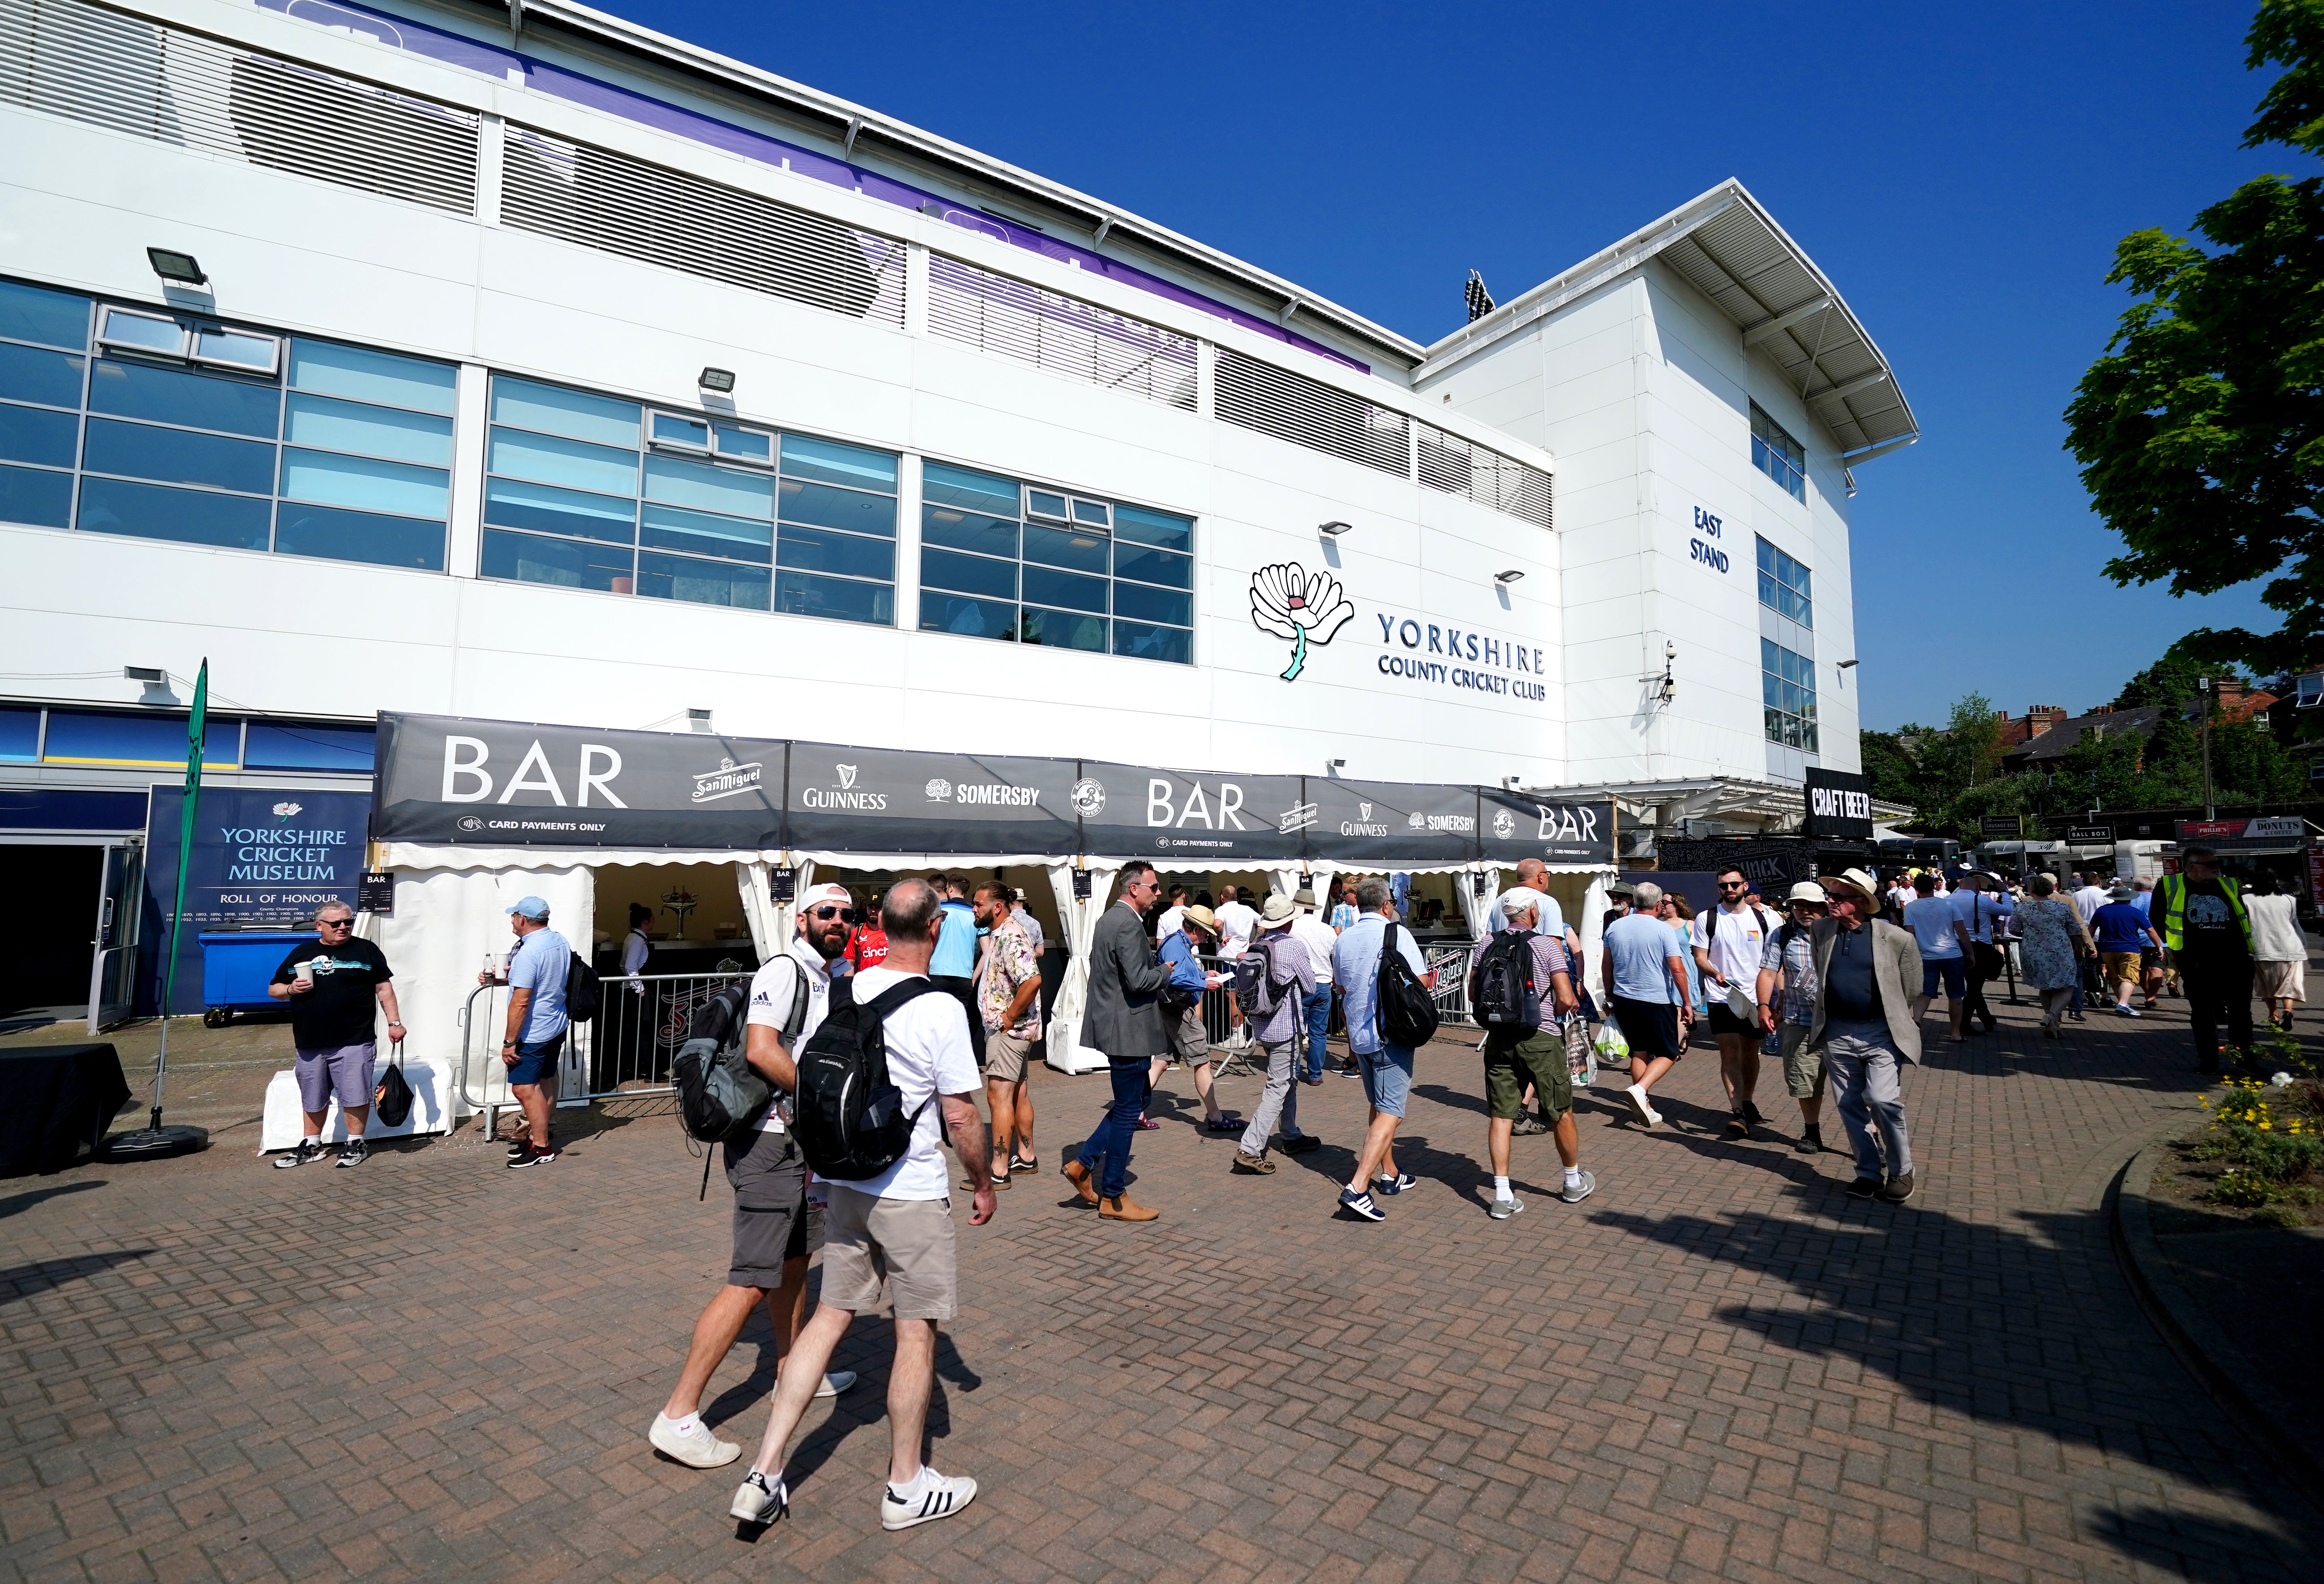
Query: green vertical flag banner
pixel 195 727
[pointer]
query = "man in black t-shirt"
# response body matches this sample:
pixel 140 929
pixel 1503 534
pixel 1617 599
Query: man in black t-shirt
pixel 333 986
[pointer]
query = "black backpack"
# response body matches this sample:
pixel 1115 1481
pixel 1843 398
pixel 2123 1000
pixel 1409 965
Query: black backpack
pixel 721 1097
pixel 847 1115
pixel 1501 989
pixel 584 995
pixel 1407 1012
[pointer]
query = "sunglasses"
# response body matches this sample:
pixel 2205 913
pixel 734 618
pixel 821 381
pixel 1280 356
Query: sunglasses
pixel 846 915
pixel 335 924
pixel 1734 885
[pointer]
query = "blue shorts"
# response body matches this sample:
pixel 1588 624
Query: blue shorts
pixel 536 1060
pixel 1387 1073
pixel 1953 970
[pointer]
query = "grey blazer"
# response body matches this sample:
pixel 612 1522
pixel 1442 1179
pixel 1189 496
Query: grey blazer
pixel 1124 976
pixel 1896 969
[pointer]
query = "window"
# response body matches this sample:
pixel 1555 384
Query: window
pixel 1787 689
pixel 1023 564
pixel 1783 585
pixel 593 492
pixel 295 744
pixel 20 736
pixel 1776 454
pixel 180 428
pixel 145 742
pixel 156 740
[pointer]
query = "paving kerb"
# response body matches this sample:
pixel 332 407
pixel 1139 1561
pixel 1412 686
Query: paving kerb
pixel 1718 1367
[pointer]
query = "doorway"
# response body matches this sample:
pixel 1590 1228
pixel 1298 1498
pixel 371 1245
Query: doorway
pixel 48 931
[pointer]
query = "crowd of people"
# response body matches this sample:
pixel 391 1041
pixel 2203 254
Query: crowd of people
pixel 1832 986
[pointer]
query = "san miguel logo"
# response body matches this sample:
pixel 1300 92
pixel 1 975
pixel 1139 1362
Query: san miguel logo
pixel 1306 608
pixel 729 779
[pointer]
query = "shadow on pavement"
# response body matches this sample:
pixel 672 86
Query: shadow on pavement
pixel 21 1282
pixel 16 1204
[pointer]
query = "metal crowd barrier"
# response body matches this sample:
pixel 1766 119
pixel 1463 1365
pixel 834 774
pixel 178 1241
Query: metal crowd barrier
pixel 624 1052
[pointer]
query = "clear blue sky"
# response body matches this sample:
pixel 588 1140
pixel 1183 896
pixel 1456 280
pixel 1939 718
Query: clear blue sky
pixel 1961 174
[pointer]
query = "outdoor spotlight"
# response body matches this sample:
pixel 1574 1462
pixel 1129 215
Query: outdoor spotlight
pixel 172 265
pixel 153 675
pixel 698 720
pixel 1331 768
pixel 721 380
pixel 1842 665
pixel 1511 576
pixel 1334 528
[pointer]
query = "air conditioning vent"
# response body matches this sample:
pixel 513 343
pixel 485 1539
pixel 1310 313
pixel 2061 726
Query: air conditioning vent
pixel 1307 413
pixel 608 200
pixel 71 58
pixel 1061 334
pixel 1449 463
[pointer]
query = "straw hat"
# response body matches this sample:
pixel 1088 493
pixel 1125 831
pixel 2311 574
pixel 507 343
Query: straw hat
pixel 1279 911
pixel 1855 880
pixel 1203 919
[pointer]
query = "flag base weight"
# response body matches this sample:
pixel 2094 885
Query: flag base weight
pixel 154 1143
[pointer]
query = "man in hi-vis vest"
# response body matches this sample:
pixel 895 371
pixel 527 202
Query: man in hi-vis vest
pixel 2199 914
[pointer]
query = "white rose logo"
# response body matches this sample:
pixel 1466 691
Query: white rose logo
pixel 284 811
pixel 1290 602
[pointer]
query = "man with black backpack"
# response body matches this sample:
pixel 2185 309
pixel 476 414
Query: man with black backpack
pixel 891 1056
pixel 786 1003
pixel 1521 989
pixel 1730 942
pixel 1384 1029
pixel 1273 977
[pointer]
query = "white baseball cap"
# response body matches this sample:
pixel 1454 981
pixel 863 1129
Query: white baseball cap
pixel 817 896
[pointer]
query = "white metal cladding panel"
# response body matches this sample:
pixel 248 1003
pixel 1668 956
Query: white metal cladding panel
pixel 1061 334
pixel 1449 463
pixel 1308 412
pixel 71 58
pixel 603 200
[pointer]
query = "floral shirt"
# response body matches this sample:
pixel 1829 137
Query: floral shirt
pixel 1009 960
pixel 1791 953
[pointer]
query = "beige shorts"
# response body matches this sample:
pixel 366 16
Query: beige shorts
pixel 2119 968
pixel 1190 1040
pixel 1803 1064
pixel 1004 1057
pixel 2281 981
pixel 903 1245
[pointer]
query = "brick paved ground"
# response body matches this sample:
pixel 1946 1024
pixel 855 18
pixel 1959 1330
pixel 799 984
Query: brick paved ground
pixel 1717 1368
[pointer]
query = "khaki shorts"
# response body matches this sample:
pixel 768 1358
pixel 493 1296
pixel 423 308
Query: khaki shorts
pixel 2121 968
pixel 1803 1065
pixel 1190 1040
pixel 905 1246
pixel 1004 1057
pixel 1537 1060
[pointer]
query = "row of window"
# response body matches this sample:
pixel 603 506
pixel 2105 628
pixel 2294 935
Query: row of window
pixel 150 740
pixel 1783 585
pixel 1787 689
pixel 1776 454
pixel 122 421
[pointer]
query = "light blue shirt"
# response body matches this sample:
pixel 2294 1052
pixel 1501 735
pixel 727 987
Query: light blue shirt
pixel 954 957
pixel 1186 971
pixel 1639 943
pixel 1980 911
pixel 541 961
pixel 1355 970
pixel 1931 919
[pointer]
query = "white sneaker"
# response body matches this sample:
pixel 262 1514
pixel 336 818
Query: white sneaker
pixel 932 1496
pixel 760 1500
pixel 2126 1009
pixel 1637 1095
pixel 700 1449
pixel 836 1382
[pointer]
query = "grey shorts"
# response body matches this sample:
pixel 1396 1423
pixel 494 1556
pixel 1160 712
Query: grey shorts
pixel 340 1071
pixel 1004 1057
pixel 903 1245
pixel 1802 1063
pixel 1189 1040
pixel 769 1177
pixel 1387 1073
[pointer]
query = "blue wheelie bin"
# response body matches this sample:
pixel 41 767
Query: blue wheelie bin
pixel 237 966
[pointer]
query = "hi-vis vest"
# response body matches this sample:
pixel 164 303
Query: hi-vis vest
pixel 2169 909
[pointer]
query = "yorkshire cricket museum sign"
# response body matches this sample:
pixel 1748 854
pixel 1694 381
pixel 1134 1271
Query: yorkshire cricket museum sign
pixel 450 780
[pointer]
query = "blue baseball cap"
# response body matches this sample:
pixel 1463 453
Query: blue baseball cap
pixel 530 907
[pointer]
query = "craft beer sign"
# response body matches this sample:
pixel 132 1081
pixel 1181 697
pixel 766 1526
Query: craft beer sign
pixel 1839 806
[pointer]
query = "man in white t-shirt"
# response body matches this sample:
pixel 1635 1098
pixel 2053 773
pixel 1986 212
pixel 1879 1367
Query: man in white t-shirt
pixel 1237 921
pixel 1174 917
pixel 788 997
pixel 893 1233
pixel 1945 947
pixel 1730 941
pixel 1317 939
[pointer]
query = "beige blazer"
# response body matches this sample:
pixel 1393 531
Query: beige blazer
pixel 1896 969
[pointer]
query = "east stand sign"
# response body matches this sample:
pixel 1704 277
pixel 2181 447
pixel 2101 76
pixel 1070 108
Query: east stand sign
pixel 445 781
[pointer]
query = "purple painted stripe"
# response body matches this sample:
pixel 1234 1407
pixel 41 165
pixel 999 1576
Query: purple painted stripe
pixel 457 49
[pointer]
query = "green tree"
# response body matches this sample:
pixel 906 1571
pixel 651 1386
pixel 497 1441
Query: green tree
pixel 2171 682
pixel 2200 432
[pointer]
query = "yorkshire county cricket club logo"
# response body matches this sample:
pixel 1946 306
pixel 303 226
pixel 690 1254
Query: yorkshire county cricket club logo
pixel 1306 608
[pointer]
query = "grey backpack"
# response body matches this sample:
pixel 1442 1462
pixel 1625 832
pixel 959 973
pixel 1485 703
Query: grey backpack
pixel 721 1099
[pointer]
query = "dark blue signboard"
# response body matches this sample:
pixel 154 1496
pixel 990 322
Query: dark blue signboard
pixel 263 857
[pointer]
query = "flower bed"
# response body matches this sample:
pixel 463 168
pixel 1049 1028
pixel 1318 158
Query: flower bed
pixel 2259 1159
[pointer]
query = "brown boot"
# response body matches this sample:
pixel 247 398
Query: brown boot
pixel 1079 1176
pixel 1123 1207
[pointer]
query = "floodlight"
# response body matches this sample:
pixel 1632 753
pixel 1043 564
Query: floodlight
pixel 721 380
pixel 172 265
